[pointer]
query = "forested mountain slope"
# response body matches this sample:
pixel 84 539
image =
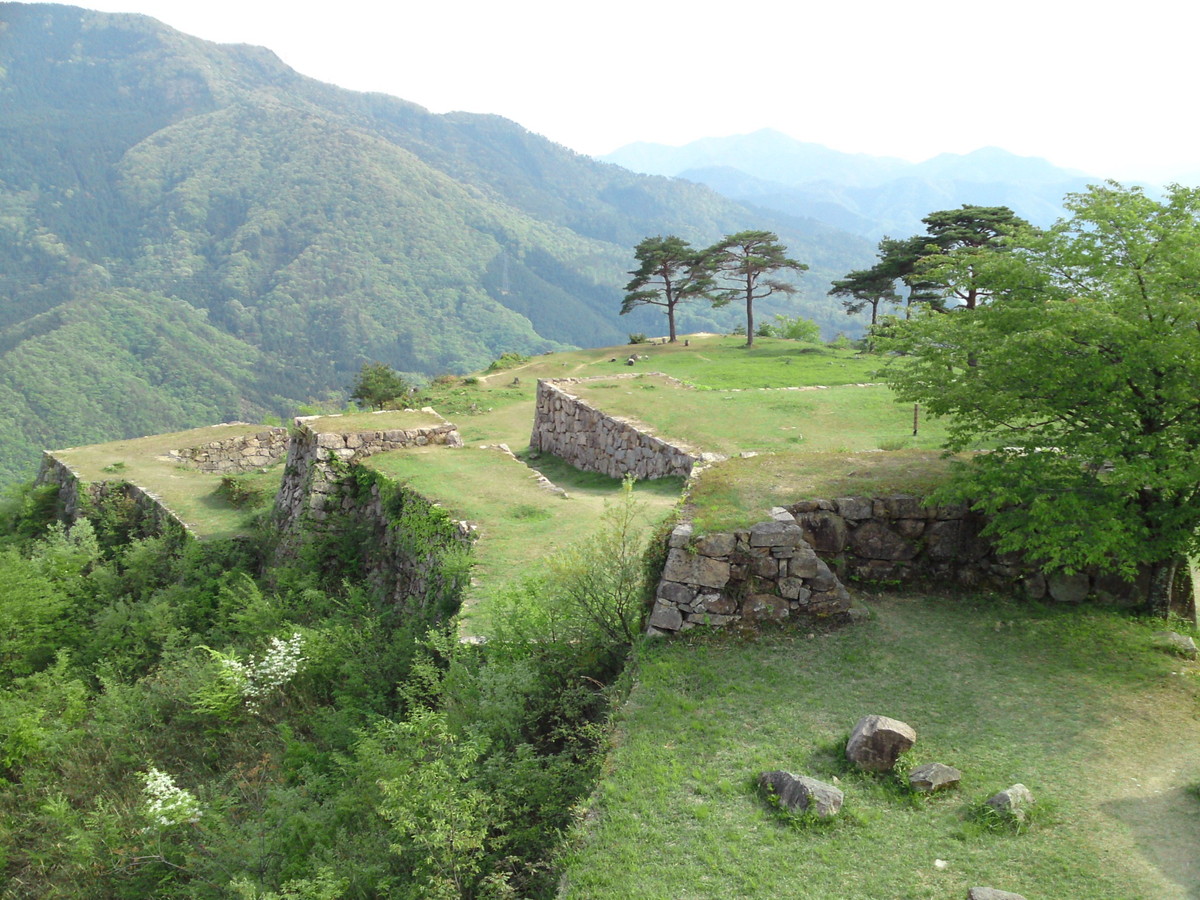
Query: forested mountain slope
pixel 192 232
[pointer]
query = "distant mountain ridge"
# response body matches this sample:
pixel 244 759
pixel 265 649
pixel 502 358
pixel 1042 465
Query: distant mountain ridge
pixel 868 195
pixel 193 232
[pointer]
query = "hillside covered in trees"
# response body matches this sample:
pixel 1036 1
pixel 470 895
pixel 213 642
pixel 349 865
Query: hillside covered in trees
pixel 192 232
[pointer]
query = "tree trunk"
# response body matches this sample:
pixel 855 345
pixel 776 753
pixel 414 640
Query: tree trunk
pixel 1171 590
pixel 671 323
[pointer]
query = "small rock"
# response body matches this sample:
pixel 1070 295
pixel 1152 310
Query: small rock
pixel 799 793
pixel 989 893
pixel 933 777
pixel 1173 642
pixel 1013 801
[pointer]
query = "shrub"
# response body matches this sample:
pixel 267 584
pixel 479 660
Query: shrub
pixel 239 493
pixel 637 338
pixel 507 361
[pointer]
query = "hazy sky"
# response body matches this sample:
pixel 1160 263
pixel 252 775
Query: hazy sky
pixel 1105 88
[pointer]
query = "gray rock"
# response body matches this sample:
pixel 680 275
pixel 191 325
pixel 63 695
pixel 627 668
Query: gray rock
pixel 824 580
pixel 1069 588
pixel 667 618
pixel 933 777
pixel 799 793
pixel 874 540
pixel 854 507
pixel 779 514
pixel 825 531
pixel 716 544
pixel 690 568
pixel 988 893
pixel 1013 801
pixel 1174 642
pixel 765 608
pixel 673 593
pixel 681 534
pixel 775 534
pixel 877 742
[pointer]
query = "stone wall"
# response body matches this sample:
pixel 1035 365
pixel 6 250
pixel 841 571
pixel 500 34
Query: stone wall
pixel 317 463
pixel 794 564
pixel 414 554
pixel 767 573
pixel 241 453
pixel 76 495
pixel 573 429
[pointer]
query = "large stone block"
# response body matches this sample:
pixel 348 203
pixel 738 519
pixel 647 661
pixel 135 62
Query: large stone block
pixel 877 742
pixel 691 568
pixel 716 544
pixel 874 540
pixel 801 794
pixel 775 534
pixel 825 531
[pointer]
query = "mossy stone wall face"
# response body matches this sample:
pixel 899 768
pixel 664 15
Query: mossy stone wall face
pixel 233 455
pixel 593 441
pixel 75 496
pixel 798 564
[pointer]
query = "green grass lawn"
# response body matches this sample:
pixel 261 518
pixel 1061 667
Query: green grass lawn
pixel 191 495
pixel 377 420
pixel 520 524
pixel 847 417
pixel 739 492
pixel 1071 702
pixel 490 407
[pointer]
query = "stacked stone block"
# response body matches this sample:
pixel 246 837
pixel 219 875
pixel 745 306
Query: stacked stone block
pixel 593 441
pixel 232 455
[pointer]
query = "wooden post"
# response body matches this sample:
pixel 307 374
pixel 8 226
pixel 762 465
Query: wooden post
pixel 916 417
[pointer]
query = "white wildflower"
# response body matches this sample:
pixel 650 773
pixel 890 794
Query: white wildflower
pixel 260 678
pixel 167 803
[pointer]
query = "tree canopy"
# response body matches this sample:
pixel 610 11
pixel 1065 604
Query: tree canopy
pixel 379 385
pixel 746 259
pixel 671 272
pixel 1084 368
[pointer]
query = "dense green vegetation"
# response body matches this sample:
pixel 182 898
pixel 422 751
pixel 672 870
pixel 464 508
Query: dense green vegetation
pixel 178 719
pixel 192 233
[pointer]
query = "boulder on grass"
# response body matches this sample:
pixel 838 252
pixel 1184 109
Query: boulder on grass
pixel 877 742
pixel 933 777
pixel 1014 801
pixel 800 794
pixel 1176 643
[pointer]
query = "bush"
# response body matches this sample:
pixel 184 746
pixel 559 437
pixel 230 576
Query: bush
pixel 507 361
pixel 239 493
pixel 637 338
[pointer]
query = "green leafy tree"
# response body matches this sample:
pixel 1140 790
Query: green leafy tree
pixel 747 260
pixel 866 289
pixel 378 386
pixel 1085 369
pixel 671 272
pixel 960 242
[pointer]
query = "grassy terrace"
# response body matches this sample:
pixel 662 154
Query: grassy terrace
pixel 739 492
pixel 190 494
pixel 519 522
pixel 1071 702
pixel 845 417
pixel 385 420
pixel 492 408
